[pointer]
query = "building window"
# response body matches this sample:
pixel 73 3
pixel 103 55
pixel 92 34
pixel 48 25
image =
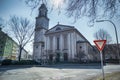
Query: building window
pixel 80 47
pixel 58 29
pixel 0 52
pixel 37 46
pixel 51 42
pixel 43 45
pixel 65 42
pixel 58 41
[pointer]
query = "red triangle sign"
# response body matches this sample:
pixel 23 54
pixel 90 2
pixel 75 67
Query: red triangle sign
pixel 100 44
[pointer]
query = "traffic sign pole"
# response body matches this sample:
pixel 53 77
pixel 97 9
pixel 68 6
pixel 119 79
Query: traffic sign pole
pixel 100 45
pixel 102 65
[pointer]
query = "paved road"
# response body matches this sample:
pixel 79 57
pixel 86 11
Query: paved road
pixel 56 72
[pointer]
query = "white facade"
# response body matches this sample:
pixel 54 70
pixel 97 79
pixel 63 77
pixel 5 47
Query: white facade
pixel 60 43
pixel 69 37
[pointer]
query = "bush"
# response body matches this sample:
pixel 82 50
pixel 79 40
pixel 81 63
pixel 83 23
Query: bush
pixel 6 62
pixel 22 62
pixel 25 62
pixel 0 62
pixel 112 61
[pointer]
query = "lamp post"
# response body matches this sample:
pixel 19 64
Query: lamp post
pixel 115 34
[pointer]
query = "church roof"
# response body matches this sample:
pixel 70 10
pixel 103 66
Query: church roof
pixel 59 28
pixel 86 41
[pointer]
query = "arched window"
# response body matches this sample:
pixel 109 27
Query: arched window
pixel 58 29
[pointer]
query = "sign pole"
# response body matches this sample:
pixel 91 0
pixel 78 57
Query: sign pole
pixel 102 65
pixel 100 45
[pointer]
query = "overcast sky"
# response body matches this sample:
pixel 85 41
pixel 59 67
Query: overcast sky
pixel 19 8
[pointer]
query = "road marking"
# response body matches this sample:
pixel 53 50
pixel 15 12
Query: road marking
pixel 91 74
pixel 108 72
pixel 69 76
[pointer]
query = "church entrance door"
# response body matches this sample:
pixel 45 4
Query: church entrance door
pixel 65 57
pixel 58 57
pixel 51 57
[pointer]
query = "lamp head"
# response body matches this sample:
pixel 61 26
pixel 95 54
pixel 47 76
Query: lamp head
pixel 99 20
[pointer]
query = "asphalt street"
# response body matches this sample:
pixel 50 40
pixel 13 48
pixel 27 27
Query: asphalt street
pixel 54 72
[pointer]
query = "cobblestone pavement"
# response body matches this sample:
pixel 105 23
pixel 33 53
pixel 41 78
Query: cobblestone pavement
pixel 62 72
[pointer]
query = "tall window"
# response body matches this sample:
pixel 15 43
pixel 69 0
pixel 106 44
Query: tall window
pixel 58 41
pixel 65 41
pixel 51 42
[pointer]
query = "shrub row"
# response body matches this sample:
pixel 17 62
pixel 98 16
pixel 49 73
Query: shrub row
pixel 22 62
pixel 112 61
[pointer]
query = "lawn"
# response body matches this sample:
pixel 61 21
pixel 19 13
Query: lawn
pixel 108 76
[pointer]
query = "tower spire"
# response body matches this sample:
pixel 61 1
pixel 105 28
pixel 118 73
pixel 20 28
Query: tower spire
pixel 42 10
pixel 42 21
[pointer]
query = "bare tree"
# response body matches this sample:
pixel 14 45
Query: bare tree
pixel 81 55
pixel 103 35
pixel 90 8
pixel 53 4
pixel 93 8
pixel 22 30
pixel 1 23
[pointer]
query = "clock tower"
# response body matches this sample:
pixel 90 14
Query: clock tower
pixel 42 23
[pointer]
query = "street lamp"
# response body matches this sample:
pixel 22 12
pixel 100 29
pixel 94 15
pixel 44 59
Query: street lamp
pixel 115 34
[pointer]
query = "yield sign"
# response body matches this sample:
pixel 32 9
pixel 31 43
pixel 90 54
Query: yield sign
pixel 100 44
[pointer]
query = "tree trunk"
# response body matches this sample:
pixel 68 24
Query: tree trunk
pixel 20 51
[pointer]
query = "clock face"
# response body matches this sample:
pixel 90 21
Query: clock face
pixel 42 22
pixel 39 36
pixel 39 23
pixel 43 12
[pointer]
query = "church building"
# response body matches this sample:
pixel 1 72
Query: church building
pixel 61 43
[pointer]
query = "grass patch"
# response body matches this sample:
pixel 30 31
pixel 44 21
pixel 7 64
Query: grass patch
pixel 108 76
